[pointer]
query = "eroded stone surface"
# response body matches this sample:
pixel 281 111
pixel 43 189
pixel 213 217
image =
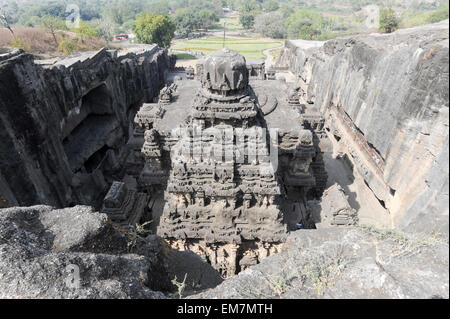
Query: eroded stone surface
pixel 64 123
pixel 38 245
pixel 385 100
pixel 224 178
pixel 41 247
pixel 346 263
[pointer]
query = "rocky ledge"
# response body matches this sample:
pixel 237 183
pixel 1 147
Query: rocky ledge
pixel 386 103
pixel 346 263
pixel 77 253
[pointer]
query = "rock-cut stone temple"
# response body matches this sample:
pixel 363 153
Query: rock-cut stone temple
pixel 237 158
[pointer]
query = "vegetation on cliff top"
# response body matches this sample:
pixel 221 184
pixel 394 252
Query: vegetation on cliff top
pixel 309 19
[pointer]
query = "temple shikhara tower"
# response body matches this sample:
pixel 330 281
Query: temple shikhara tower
pixel 233 160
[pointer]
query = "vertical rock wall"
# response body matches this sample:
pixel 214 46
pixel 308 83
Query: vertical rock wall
pixel 386 98
pixel 64 123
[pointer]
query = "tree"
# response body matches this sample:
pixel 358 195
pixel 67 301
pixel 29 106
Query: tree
pixel 307 25
pixel 154 28
pixel 104 28
pixel 5 21
pixel 247 20
pixel 271 25
pixel 53 25
pixel 389 21
pixel 186 21
pixel 208 18
pixel 247 13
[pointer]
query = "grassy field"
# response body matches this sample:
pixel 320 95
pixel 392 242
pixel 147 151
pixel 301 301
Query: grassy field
pixel 248 47
pixel 184 56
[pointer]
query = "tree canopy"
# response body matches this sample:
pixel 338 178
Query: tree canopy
pixel 154 28
pixel 307 24
pixel 247 13
pixel 389 22
pixel 271 25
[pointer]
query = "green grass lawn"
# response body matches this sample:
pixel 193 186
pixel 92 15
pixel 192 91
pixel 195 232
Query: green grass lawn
pixel 248 47
pixel 184 56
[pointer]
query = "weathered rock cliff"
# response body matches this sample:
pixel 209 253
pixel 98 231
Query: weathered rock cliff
pixel 77 253
pixel 386 100
pixel 74 253
pixel 64 123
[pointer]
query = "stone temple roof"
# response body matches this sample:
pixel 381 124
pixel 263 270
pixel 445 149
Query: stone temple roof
pixel 225 71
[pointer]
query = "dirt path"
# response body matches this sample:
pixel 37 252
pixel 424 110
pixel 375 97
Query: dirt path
pixel 269 58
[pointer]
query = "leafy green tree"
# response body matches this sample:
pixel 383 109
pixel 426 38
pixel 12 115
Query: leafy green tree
pixel 53 24
pixel 208 18
pixel 247 13
pixel 271 25
pixel 186 21
pixel 154 28
pixel 247 20
pixel 54 8
pixel 389 22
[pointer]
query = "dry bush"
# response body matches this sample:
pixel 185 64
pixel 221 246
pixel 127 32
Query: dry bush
pixel 38 39
pixel 41 41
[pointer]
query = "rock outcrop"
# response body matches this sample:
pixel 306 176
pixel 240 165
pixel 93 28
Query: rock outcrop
pixel 77 253
pixel 346 263
pixel 73 253
pixel 386 102
pixel 64 123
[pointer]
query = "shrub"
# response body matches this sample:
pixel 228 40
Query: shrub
pixel 68 46
pixel 389 22
pixel 20 44
pixel 85 31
